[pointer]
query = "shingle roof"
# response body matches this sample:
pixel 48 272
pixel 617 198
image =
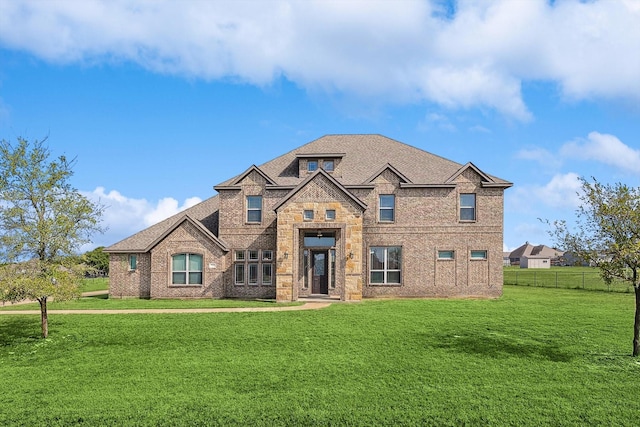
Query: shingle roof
pixel 530 251
pixel 206 212
pixel 362 156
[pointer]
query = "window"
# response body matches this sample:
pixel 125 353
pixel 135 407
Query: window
pixel 308 215
pixel 239 274
pixel 478 254
pixel 186 269
pixel 253 267
pixel 330 214
pixel 467 207
pixel 133 262
pixel 254 209
pixel 266 274
pixel 253 274
pixel 445 255
pixel 328 165
pixel 385 266
pixel 312 165
pixel 387 207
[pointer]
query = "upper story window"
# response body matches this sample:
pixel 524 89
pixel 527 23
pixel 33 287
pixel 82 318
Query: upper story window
pixel 186 269
pixel 446 255
pixel 312 165
pixel 328 165
pixel 467 207
pixel 387 207
pixel 254 209
pixel 478 254
pixel 308 214
pixel 330 214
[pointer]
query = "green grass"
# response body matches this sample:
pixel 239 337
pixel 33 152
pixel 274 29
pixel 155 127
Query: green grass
pixel 103 302
pixel 587 278
pixel 97 284
pixel 534 357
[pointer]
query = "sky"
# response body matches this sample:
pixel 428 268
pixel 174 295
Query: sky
pixel 159 101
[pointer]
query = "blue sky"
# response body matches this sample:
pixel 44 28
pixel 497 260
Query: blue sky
pixel 160 101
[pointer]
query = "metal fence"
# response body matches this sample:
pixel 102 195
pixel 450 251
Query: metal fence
pixel 563 278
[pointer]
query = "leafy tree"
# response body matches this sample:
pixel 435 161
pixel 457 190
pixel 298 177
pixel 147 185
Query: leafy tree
pixel 42 220
pixel 97 259
pixel 608 236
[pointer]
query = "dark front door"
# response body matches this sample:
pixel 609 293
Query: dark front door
pixel 320 279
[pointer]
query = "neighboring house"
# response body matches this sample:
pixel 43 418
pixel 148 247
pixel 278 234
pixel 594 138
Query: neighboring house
pixel 540 256
pixel 344 216
pixel 506 261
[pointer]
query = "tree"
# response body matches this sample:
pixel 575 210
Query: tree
pixel 607 236
pixel 42 220
pixel 97 259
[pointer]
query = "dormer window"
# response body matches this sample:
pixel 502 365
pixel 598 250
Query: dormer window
pixel 328 165
pixel 309 163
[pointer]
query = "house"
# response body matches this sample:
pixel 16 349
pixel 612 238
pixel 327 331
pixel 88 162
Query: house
pixel 539 256
pixel 344 216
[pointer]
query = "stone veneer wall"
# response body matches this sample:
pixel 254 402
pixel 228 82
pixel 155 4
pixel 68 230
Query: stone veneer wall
pixel 319 195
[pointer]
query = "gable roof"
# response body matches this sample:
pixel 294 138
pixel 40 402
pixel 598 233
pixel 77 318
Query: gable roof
pixel 361 157
pixel 388 166
pixel 256 169
pixel 186 218
pixel 205 213
pixel 315 175
pixel 530 251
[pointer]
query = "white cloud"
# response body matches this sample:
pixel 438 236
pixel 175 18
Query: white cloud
pixel 124 216
pixel 561 192
pixel 392 51
pixel 540 155
pixel 606 149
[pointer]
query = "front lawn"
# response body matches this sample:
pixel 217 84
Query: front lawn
pixel 534 357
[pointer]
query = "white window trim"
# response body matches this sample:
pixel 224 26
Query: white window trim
pixel 249 209
pixel 478 258
pixel 386 208
pixel 452 258
pixel 474 207
pixel 187 271
pixel 385 269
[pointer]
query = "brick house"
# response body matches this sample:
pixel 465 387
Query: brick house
pixel 344 216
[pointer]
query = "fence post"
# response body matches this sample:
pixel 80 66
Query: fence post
pixel 556 280
pixel 583 280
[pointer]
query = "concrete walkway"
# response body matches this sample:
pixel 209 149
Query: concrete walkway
pixel 316 305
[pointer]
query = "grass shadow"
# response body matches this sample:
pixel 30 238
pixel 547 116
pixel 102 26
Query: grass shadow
pixel 18 329
pixel 100 296
pixel 499 346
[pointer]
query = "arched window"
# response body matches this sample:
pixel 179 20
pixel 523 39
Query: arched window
pixel 186 269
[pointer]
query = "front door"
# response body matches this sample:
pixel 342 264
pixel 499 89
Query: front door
pixel 320 278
